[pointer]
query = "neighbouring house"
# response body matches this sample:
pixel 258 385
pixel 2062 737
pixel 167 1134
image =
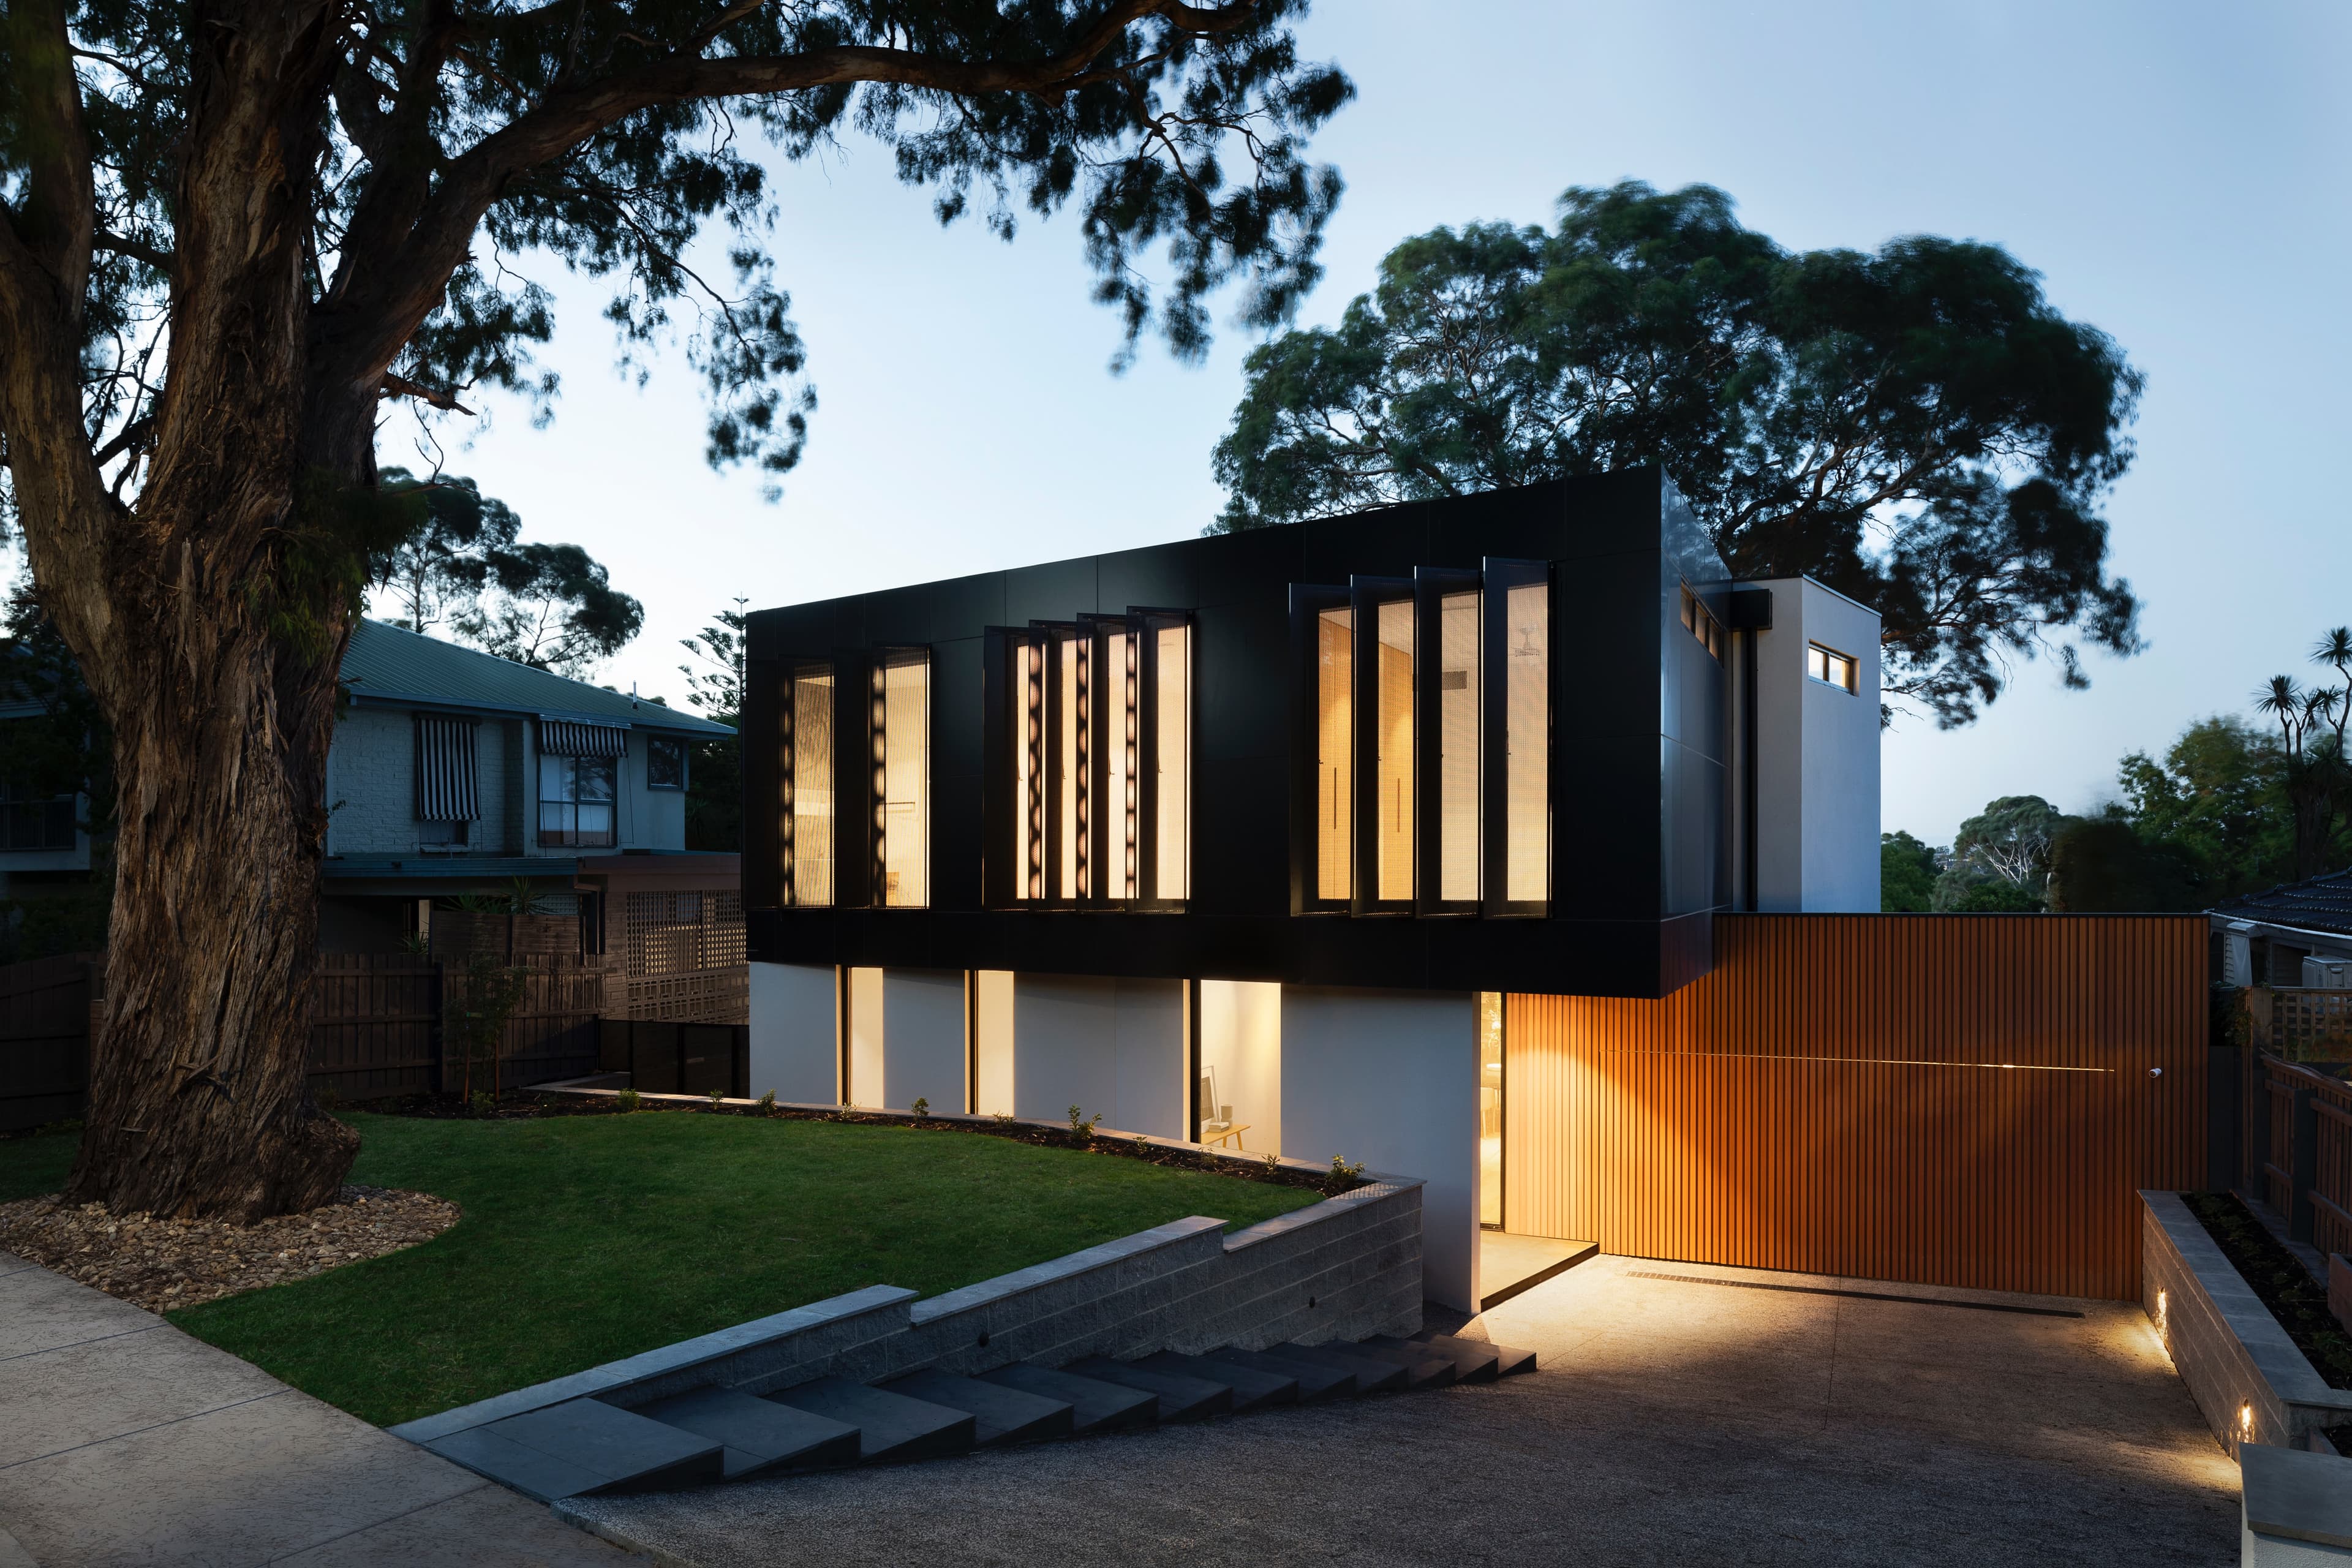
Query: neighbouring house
pixel 43 835
pixel 458 778
pixel 2297 934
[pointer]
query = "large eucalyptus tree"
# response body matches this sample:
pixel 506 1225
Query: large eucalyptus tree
pixel 232 231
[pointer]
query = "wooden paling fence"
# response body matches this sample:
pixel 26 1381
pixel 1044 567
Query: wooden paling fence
pixel 2298 1148
pixel 378 1029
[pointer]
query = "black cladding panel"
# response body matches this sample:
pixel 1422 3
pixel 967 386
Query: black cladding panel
pixel 1638 792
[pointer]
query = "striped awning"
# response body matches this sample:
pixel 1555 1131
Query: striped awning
pixel 571 738
pixel 446 773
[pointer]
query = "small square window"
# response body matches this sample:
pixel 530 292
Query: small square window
pixel 665 763
pixel 1830 668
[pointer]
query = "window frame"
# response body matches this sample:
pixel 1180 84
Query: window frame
pixel 1832 659
pixel 573 837
pixel 1431 587
pixel 1501 576
pixel 1145 626
pixel 1308 602
pixel 1366 596
pixel 684 754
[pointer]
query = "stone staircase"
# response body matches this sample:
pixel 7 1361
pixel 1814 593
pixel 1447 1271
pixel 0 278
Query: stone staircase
pixel 706 1435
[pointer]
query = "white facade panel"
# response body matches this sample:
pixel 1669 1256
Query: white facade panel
pixel 1112 1046
pixel 1817 775
pixel 923 1043
pixel 1390 1077
pixel 794 1048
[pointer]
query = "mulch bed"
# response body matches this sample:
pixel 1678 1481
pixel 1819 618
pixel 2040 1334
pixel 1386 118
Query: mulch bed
pixel 1329 1182
pixel 160 1264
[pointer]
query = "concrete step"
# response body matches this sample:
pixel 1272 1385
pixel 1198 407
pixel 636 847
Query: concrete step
pixel 1182 1395
pixel 999 1414
pixel 1095 1406
pixel 760 1434
pixel 1372 1376
pixel 1473 1361
pixel 583 1445
pixel 1510 1362
pixel 1250 1388
pixel 1315 1382
pixel 890 1427
pixel 1424 1367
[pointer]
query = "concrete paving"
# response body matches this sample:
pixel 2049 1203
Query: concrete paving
pixel 124 1441
pixel 1669 1422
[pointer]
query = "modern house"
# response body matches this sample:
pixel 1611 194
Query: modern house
pixel 1248 838
pixel 453 773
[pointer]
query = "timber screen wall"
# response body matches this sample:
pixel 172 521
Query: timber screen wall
pixel 1948 1099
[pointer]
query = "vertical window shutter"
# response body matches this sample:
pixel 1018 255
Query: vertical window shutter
pixel 446 771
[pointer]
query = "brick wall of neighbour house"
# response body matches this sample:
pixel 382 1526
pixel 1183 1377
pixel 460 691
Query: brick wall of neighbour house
pixel 1342 1268
pixel 2249 1379
pixel 372 784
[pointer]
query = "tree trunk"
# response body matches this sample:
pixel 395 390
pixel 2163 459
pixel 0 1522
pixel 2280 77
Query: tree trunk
pixel 198 1102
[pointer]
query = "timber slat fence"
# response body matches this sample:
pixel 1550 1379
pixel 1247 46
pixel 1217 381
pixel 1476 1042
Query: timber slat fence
pixel 2298 1148
pixel 378 1029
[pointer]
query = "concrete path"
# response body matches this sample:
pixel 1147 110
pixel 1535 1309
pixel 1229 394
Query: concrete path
pixel 1670 1423
pixel 124 1441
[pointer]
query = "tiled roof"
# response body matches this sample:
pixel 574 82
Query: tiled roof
pixel 387 663
pixel 2322 903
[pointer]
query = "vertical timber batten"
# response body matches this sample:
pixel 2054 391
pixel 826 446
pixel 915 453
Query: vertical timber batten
pixel 1950 1099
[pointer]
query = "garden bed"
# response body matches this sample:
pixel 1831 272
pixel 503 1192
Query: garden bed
pixel 2285 1287
pixel 588 1238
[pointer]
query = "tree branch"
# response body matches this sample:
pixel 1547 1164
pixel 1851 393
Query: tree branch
pixel 136 249
pixel 60 205
pixel 401 386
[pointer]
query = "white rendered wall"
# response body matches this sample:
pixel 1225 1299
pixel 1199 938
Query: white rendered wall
pixel 923 1045
pixel 793 1044
pixel 1241 1043
pixel 1390 1077
pixel 1816 757
pixel 869 1006
pixel 991 1046
pixel 1116 1046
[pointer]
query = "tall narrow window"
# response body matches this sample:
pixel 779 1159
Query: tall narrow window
pixel 1526 745
pixel 1392 838
pixel 809 880
pixel 1028 686
pixel 905 777
pixel 1114 733
pixel 1171 754
pixel 1069 765
pixel 1335 742
pixel 1457 748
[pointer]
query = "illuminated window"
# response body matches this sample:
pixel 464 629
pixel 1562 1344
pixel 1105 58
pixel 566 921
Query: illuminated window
pixel 1832 667
pixel 1526 745
pixel 809 784
pixel 1457 748
pixel 1100 753
pixel 1335 742
pixel 1171 762
pixel 1701 625
pixel 1392 834
pixel 902 691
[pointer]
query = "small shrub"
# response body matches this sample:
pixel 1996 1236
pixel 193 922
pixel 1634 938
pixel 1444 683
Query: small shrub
pixel 718 1098
pixel 768 1103
pixel 922 1106
pixel 628 1099
pixel 1003 1120
pixel 484 1103
pixel 1082 1126
pixel 1273 1163
pixel 1346 1176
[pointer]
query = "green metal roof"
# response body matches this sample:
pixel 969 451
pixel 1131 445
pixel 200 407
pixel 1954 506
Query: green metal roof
pixel 388 665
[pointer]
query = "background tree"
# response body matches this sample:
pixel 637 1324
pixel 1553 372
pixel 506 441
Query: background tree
pixel 230 230
pixel 2311 733
pixel 1906 874
pixel 550 607
pixel 2000 857
pixel 1916 427
pixel 2101 864
pixel 438 570
pixel 2218 796
pixel 714 799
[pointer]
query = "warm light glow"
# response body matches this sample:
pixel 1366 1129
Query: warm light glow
pixel 2246 1423
pixel 1335 739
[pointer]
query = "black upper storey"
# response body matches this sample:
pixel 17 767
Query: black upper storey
pixel 1637 771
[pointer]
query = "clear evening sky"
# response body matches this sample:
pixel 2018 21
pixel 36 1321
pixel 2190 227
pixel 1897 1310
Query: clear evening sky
pixel 2178 174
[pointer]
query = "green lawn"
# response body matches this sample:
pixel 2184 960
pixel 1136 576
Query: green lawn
pixel 33 1163
pixel 590 1238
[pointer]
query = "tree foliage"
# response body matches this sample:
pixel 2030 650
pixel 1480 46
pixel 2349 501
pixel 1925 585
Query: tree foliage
pixel 1916 426
pixel 714 799
pixel 2216 796
pixel 2102 864
pixel 2001 855
pixel 1906 874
